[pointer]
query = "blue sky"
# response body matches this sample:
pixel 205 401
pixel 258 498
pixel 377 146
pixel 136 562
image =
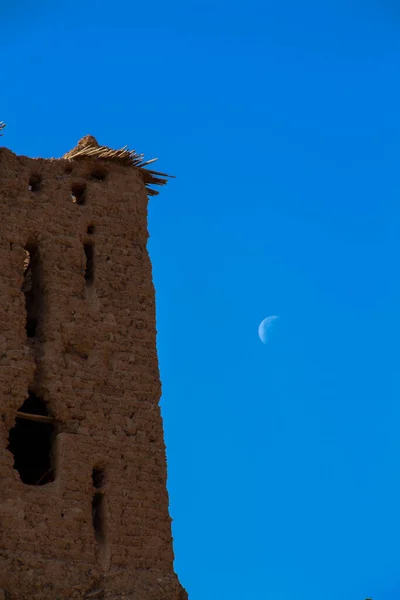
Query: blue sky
pixel 281 122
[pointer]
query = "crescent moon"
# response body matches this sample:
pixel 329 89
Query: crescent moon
pixel 264 326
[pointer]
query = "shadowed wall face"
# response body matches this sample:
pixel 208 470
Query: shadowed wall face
pixel 83 499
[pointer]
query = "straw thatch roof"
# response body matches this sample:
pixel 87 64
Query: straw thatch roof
pixel 88 147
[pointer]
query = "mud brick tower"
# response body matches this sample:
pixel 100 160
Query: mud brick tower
pixel 83 498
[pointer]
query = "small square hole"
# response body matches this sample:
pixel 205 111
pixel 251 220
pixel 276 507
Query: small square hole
pixel 98 173
pixel 34 182
pixel 90 229
pixel 98 478
pixel 78 193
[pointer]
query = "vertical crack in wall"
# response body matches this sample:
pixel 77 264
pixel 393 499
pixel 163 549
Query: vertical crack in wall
pixel 89 269
pixel 32 289
pixel 99 518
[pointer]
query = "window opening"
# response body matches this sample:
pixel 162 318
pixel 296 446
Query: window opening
pixel 98 520
pixel 32 289
pixel 89 270
pixel 78 193
pixel 31 442
pixel 34 182
pixel 90 229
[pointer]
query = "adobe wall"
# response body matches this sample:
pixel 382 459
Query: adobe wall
pixel 93 361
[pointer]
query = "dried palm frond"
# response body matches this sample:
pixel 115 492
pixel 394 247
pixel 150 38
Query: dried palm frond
pixel 88 147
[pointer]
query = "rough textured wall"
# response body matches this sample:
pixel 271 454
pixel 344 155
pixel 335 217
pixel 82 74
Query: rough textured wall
pixel 77 336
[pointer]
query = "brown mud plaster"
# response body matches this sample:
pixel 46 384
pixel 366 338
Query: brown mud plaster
pixel 83 498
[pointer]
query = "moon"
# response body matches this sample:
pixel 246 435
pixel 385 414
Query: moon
pixel 264 328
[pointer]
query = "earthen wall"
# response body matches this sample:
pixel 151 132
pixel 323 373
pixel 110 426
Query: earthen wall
pixel 92 361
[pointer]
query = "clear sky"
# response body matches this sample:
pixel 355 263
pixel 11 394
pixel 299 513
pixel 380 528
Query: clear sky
pixel 281 122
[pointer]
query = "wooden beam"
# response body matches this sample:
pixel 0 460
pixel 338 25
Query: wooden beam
pixel 39 418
